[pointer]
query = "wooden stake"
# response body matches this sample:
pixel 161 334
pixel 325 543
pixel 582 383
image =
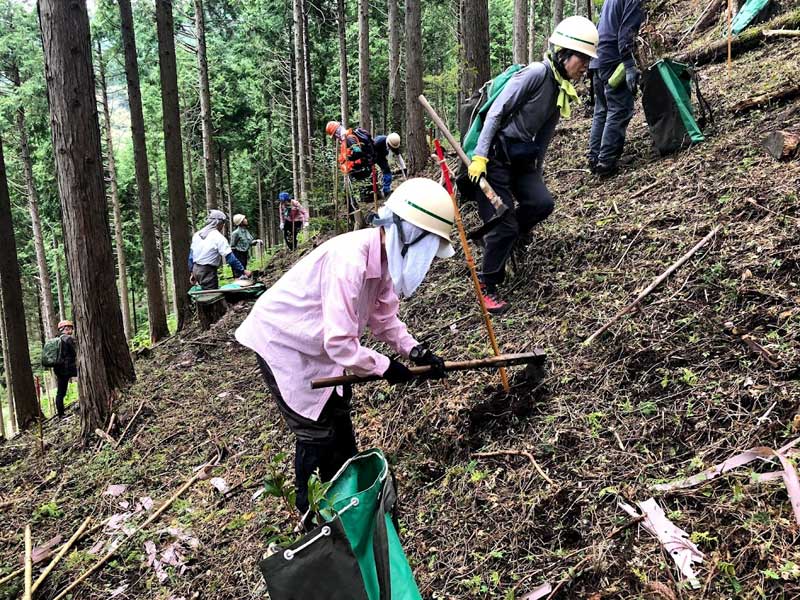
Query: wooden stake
pixel 462 234
pixel 115 549
pixel 128 426
pixel 655 283
pixel 335 197
pixel 28 564
pixel 730 35
pixel 61 553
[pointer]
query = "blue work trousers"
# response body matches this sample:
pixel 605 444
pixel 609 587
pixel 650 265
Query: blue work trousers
pixel 613 110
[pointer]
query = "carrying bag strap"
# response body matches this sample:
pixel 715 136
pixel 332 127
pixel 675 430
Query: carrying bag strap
pixel 380 541
pixel 706 114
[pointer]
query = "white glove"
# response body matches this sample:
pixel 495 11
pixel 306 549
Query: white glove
pixel 259 242
pixel 281 225
pixel 305 225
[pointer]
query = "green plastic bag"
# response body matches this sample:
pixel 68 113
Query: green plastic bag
pixel 747 14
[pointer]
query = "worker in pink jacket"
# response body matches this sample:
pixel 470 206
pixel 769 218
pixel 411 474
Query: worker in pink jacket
pixel 310 323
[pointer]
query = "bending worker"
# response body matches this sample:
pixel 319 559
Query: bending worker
pixel 615 80
pixel 209 248
pixel 242 239
pixel 310 323
pixel 512 145
pixel 383 145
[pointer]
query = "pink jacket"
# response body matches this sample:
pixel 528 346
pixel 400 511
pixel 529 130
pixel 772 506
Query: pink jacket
pixel 309 324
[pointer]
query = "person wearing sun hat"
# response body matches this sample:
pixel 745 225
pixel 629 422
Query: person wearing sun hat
pixel 310 323
pixel 242 239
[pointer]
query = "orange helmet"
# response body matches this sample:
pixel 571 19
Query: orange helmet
pixel 332 127
pixel 65 323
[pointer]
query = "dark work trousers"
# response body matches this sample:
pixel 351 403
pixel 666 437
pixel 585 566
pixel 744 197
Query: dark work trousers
pixel 613 110
pixel 206 276
pixel 242 256
pixel 325 444
pixel 520 183
pixel 61 392
pixel 290 231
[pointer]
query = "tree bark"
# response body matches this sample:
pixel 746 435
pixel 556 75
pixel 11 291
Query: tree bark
pixel 364 119
pixel 103 358
pixel 309 115
pixel 293 127
pixel 558 13
pixel 17 361
pixel 532 34
pixel 301 114
pixel 417 144
pixel 475 43
pixel 395 80
pixel 341 18
pixel 179 230
pixel 155 296
pixel 205 107
pixel 122 263
pixel 229 190
pixel 190 184
pixel 262 234
pixel 48 311
pixel 12 413
pixel 162 259
pixel 521 31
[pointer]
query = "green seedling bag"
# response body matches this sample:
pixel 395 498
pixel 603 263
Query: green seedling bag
pixel 51 353
pixel 667 103
pixel 356 554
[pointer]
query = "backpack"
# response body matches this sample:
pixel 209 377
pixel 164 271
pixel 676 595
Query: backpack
pixel 51 353
pixel 473 110
pixel 668 110
pixel 357 156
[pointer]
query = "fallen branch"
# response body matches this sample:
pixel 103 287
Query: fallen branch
pixel 646 188
pixel 749 38
pixel 781 33
pixel 655 283
pixel 524 453
pixel 104 436
pixel 61 553
pixel 115 548
pixel 128 426
pixel 28 564
pixel 771 97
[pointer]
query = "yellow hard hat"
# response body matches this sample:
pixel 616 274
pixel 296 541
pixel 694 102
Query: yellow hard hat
pixel 426 204
pixel 578 34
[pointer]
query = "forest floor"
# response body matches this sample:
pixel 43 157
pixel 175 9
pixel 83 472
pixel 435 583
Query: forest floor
pixel 708 366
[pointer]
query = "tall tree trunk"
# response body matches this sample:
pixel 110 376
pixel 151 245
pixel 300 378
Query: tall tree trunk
pixel 521 31
pixel 205 107
pixel 12 413
pixel 122 263
pixel 103 358
pixel 17 361
pixel 155 297
pixel 532 26
pixel 262 234
pixel 363 65
pixel 179 230
pixel 162 259
pixel 300 101
pixel 395 86
pixel 221 179
pixel 309 117
pixel 341 19
pixel 190 183
pixel 589 9
pixel 293 127
pixel 229 190
pixel 558 13
pixel 475 41
pixel 59 286
pixel 417 145
pixel 48 311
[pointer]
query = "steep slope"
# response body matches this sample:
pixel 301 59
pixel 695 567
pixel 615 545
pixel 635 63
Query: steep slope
pixel 674 387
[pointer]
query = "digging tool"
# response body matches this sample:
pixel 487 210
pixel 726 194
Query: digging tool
pixel 495 200
pixel 470 261
pixel 375 186
pixel 504 360
pixel 403 168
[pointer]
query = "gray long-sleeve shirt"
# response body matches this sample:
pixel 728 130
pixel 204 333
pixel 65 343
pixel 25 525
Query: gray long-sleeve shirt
pixel 526 109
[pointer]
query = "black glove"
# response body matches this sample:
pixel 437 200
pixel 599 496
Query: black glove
pixel 632 78
pixel 397 373
pixel 421 355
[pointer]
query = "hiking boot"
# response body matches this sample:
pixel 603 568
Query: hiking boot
pixel 494 303
pixel 604 170
pixel 592 166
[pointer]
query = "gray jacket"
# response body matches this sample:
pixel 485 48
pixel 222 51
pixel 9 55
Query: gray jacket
pixel 529 98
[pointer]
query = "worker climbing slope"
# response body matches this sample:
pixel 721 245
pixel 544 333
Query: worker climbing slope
pixel 310 323
pixel 511 149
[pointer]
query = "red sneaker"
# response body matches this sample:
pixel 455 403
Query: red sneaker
pixel 495 304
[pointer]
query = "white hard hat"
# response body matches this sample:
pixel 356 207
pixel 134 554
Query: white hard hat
pixel 393 139
pixel 426 204
pixel 578 34
pixel 237 219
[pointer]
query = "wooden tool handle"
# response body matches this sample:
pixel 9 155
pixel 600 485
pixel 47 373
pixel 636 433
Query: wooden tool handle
pixel 504 360
pixel 487 190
